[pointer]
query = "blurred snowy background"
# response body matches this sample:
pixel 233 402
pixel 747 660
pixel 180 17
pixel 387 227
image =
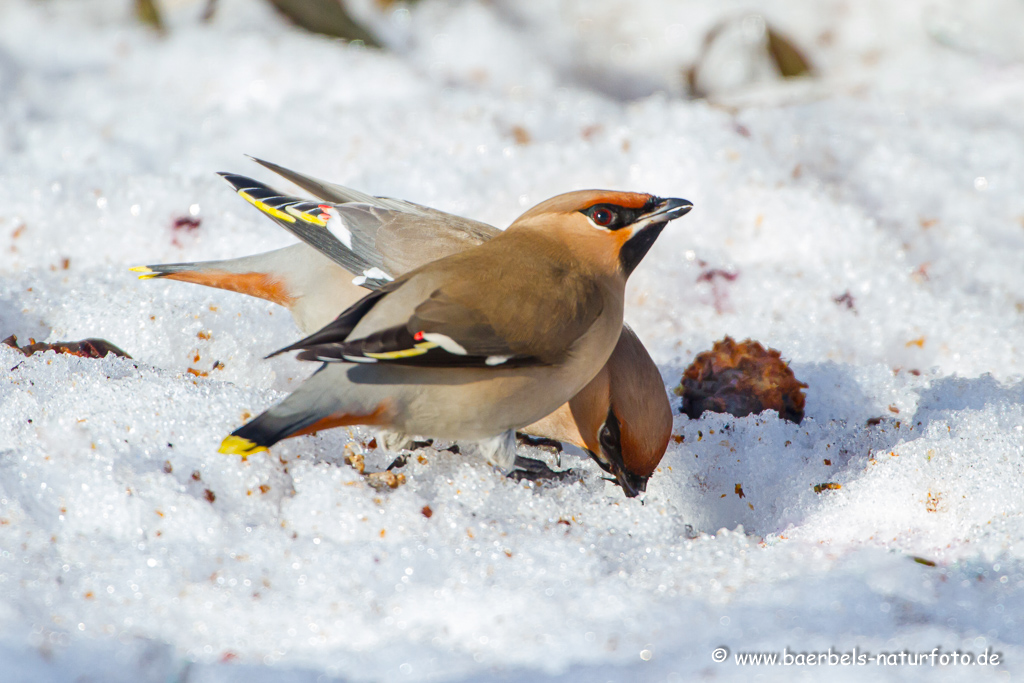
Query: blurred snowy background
pixel 864 216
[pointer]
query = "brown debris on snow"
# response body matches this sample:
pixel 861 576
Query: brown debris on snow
pixel 87 348
pixel 741 379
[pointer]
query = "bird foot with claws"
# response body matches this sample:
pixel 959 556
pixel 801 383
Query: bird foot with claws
pixel 537 470
pixel 550 445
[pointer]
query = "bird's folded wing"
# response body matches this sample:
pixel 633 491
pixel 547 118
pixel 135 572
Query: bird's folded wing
pixel 444 332
pixel 392 234
pixel 343 233
pixel 370 240
pixel 341 327
pixel 309 221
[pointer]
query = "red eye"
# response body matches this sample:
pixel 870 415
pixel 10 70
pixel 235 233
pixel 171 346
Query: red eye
pixel 602 217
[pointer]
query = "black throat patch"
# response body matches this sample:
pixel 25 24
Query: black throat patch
pixel 636 248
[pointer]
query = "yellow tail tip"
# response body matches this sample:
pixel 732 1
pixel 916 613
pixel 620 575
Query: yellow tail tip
pixel 236 445
pixel 147 272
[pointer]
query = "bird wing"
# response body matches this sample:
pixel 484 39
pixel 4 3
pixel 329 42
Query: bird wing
pixel 311 222
pixel 341 327
pixel 440 332
pixel 395 235
pixel 397 242
pixel 468 322
pixel 373 238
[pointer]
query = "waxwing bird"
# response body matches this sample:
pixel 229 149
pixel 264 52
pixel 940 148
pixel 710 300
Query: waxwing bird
pixel 477 344
pixel 622 417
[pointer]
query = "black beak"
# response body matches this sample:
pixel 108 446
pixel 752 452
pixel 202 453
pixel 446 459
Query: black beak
pixel 666 210
pixel 611 461
pixel 631 484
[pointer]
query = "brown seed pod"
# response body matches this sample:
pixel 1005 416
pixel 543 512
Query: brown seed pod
pixel 741 379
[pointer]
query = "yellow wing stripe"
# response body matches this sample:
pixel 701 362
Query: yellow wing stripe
pixel 308 217
pixel 266 208
pixel 147 273
pixel 417 350
pixel 236 445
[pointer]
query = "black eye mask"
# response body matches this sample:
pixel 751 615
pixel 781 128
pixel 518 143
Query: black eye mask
pixel 615 217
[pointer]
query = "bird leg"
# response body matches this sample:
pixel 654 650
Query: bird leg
pixel 547 444
pixel 552 446
pixel 499 450
pixel 537 470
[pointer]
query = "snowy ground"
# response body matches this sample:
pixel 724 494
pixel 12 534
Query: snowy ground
pixel 874 219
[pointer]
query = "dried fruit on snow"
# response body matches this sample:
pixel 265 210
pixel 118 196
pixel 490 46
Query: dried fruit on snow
pixel 741 379
pixel 87 348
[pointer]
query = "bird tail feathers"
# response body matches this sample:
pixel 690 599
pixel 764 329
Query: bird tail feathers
pixel 320 403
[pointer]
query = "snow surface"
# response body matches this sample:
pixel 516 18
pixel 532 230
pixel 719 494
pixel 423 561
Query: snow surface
pixel 873 217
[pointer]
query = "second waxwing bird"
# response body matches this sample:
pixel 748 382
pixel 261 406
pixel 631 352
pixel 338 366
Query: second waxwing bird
pixel 622 417
pixel 477 344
